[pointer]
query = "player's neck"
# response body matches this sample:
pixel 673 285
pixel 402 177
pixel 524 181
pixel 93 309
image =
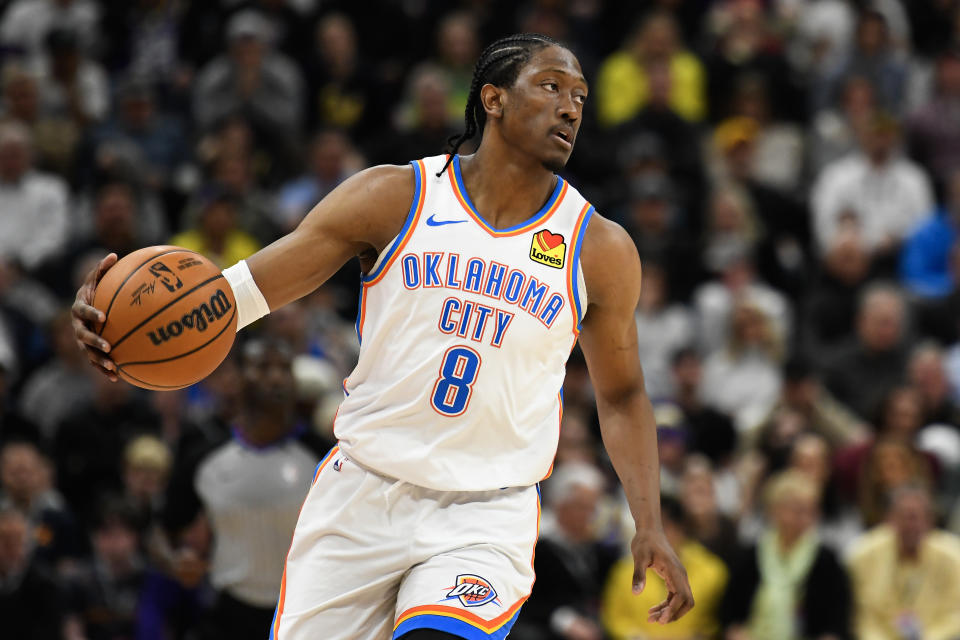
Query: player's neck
pixel 506 189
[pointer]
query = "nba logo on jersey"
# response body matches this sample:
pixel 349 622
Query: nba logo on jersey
pixel 473 591
pixel 548 248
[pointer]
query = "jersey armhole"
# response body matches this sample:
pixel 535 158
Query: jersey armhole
pixel 389 254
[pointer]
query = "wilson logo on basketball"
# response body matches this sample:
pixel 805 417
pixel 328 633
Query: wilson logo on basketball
pixel 472 591
pixel 548 248
pixel 198 319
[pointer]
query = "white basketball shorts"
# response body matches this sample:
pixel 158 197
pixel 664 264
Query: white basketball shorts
pixel 373 558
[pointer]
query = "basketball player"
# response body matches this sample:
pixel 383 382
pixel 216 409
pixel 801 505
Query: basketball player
pixel 480 274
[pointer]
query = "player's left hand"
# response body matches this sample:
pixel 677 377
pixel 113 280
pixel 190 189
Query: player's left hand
pixel 652 551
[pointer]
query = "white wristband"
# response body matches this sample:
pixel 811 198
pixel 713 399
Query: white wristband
pixel 251 305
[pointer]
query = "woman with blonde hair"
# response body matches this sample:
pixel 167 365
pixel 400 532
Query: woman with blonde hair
pixel 788 585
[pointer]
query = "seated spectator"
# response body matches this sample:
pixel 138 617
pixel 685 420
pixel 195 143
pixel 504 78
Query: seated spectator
pixel 927 373
pixel 176 596
pixel 743 40
pixel 62 385
pixel 805 398
pixel 731 227
pixel 810 454
pixel 31 602
pixel 26 23
pixel 714 302
pixel 743 379
pixel 146 467
pixel 662 329
pixel 422 127
pixel 343 89
pixel 104 593
pixel 873 56
pixel 622 80
pixel 888 466
pixel 779 146
pixel 652 219
pixel 116 217
pixel 787 585
pixel 711 432
pixel 822 32
pixel 927 254
pixel 672 437
pixel 677 137
pixel 36 226
pixel 88 449
pixel 906 575
pixel 875 189
pixel 780 220
pixel 252 80
pixel 932 131
pixel 861 371
pixel 72 84
pixel 625 614
pixel 835 128
pixel 233 173
pixel 830 307
pixel 866 472
pixel 571 562
pixel 140 136
pixel 13 426
pixel 576 443
pixel 55 135
pixel 26 485
pixel 332 160
pixel 457 48
pixel 704 522
pixel 217 235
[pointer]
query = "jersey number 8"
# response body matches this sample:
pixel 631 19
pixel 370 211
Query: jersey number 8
pixel 458 372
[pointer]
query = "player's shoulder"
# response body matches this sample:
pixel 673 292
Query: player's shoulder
pixel 384 181
pixel 607 247
pixel 610 262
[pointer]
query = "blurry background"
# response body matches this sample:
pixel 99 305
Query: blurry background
pixel 789 170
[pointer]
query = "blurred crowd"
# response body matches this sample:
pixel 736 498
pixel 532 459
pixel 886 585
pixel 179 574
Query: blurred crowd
pixel 788 169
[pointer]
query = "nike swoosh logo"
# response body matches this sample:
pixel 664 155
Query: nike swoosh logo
pixel 433 222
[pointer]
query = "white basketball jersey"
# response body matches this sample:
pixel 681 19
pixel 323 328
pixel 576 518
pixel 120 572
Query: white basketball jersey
pixel 464 333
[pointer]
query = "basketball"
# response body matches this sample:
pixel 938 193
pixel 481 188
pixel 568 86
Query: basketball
pixel 170 317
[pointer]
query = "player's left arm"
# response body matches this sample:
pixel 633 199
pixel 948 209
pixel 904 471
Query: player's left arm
pixel 608 338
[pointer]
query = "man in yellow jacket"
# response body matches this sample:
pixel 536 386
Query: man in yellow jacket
pixel 906 576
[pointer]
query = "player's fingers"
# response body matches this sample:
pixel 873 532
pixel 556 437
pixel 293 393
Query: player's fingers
pixel 104 365
pixel 100 361
pixel 87 338
pixel 104 266
pixel 86 312
pixel 640 563
pixel 677 605
pixel 653 613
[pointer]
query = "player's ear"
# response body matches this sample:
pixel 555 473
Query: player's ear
pixel 491 97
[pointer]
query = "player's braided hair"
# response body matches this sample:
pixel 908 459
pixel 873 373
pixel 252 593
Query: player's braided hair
pixel 499 64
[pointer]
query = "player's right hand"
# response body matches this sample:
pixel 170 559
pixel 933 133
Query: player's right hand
pixel 84 317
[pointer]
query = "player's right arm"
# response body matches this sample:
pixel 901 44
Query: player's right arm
pixel 358 218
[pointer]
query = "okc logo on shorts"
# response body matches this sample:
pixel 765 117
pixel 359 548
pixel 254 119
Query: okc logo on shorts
pixel 473 591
